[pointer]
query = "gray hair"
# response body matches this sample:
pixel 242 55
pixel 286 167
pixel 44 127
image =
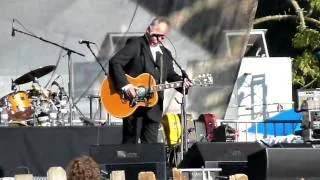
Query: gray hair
pixel 159 20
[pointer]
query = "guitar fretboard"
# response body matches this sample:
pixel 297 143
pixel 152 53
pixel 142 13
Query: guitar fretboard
pixel 161 87
pixel 202 81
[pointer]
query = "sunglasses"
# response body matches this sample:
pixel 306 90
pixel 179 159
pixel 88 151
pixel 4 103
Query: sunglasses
pixel 159 36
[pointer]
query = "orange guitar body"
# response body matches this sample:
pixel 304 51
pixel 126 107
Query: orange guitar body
pixel 119 107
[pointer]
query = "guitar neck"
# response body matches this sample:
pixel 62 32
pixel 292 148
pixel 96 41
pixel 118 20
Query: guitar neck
pixel 202 81
pixel 162 87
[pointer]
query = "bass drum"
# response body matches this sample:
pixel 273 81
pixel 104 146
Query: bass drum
pixel 18 106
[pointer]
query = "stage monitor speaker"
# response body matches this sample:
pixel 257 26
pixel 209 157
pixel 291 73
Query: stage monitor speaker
pixel 284 163
pixel 292 145
pixel 132 158
pixel 231 157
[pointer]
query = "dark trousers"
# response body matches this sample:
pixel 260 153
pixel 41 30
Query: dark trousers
pixel 135 127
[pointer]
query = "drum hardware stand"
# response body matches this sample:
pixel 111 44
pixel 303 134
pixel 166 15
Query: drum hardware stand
pixel 74 105
pixel 69 52
pixel 91 97
pixel 52 120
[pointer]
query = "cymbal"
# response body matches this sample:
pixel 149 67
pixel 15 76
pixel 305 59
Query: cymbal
pixel 37 73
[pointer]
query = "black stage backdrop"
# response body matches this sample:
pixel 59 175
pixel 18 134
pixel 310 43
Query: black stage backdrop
pixel 37 149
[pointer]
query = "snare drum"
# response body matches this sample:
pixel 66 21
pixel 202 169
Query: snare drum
pixel 19 105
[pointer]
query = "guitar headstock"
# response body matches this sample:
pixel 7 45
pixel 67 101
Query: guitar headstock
pixel 203 80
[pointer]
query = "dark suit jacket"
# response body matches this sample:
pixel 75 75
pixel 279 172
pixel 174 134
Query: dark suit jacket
pixel 136 58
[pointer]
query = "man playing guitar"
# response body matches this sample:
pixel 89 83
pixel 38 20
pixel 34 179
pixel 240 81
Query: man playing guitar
pixel 144 54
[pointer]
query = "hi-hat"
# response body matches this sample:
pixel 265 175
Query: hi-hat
pixel 32 75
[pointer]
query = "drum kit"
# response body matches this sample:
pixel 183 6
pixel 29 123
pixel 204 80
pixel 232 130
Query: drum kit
pixel 36 106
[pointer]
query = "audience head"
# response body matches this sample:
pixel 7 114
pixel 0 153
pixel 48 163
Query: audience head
pixel 83 168
pixel 56 173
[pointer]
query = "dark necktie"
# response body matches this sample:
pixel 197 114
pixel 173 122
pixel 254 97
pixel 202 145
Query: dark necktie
pixel 158 58
pixel 159 62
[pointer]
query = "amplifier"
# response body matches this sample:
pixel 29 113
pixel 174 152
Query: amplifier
pixel 311 125
pixel 309 105
pixel 132 158
pixel 308 99
pixel 314 119
pixel 230 157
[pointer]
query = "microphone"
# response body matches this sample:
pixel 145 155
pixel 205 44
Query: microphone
pixel 85 42
pixel 13 29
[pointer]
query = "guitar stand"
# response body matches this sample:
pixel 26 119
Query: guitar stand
pixel 91 97
pixel 172 155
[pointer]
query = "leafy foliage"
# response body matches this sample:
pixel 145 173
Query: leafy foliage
pixel 306 38
pixel 305 68
pixel 315 5
pixel 306 13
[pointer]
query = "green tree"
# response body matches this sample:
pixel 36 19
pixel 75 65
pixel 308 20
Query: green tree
pixel 305 66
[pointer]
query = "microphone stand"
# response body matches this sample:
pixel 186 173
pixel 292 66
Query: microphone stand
pixel 105 74
pixel 70 71
pixel 184 126
pixel 96 58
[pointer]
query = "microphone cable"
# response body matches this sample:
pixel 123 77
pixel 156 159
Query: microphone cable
pixel 18 22
pixel 116 44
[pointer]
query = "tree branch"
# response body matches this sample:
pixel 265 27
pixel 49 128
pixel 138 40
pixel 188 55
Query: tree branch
pixel 310 83
pixel 299 12
pixel 283 17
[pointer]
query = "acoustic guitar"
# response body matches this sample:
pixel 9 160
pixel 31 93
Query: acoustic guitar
pixel 119 105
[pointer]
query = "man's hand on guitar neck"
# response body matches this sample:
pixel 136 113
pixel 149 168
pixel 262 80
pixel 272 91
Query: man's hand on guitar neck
pixel 130 90
pixel 187 83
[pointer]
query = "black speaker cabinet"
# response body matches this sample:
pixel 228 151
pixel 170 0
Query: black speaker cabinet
pixel 284 163
pixel 132 158
pixel 292 145
pixel 231 157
